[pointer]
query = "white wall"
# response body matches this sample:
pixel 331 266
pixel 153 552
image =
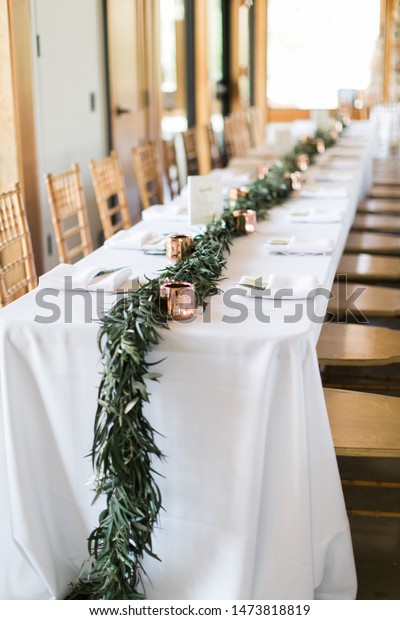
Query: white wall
pixel 68 70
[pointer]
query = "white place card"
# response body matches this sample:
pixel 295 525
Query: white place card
pixel 205 199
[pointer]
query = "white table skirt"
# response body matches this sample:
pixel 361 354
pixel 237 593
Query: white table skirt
pixel 252 497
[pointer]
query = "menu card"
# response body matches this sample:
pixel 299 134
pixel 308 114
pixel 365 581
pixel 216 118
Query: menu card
pixel 205 199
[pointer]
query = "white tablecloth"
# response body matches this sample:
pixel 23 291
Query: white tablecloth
pixel 252 496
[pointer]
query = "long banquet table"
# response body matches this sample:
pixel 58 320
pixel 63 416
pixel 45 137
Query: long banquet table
pixel 253 506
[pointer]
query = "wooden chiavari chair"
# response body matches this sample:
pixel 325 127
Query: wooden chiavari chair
pixel 369 268
pixel 171 167
pixel 373 243
pixel 215 154
pixel 17 267
pixel 232 143
pixel 190 146
pixel 147 166
pixel 377 223
pixel 381 207
pixel 374 301
pixel 69 214
pixel 242 131
pixel 109 187
pixel 365 425
pixel 358 345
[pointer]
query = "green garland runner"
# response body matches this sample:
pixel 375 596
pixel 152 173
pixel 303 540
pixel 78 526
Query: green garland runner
pixel 124 448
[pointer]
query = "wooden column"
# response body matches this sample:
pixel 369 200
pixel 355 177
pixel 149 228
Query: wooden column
pixel 8 143
pixel 202 86
pixel 234 61
pixel 260 56
pixel 153 72
pixel 387 6
pixel 21 63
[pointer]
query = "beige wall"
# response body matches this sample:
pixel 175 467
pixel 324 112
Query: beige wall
pixel 8 146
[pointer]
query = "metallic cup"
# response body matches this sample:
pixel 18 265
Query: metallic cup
pixel 178 247
pixel 245 220
pixel 339 126
pixel 263 170
pixel 235 193
pixel 297 179
pixel 178 300
pixel 320 144
pixel 302 162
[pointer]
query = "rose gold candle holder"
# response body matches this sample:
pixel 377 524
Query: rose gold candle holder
pixel 178 300
pixel 339 126
pixel 297 179
pixel 302 162
pixel 320 144
pixel 178 247
pixel 263 170
pixel 235 193
pixel 333 134
pixel 246 220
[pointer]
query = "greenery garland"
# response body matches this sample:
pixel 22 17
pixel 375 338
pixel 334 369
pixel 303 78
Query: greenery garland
pixel 124 448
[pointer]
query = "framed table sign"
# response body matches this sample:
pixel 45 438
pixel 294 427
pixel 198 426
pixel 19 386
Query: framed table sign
pixel 205 199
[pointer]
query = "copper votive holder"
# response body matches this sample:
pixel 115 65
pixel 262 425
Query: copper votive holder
pixel 338 126
pixel 297 179
pixel 178 247
pixel 263 170
pixel 178 300
pixel 235 193
pixel 333 134
pixel 246 220
pixel 320 144
pixel 302 162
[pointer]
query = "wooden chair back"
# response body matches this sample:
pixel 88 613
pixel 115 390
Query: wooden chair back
pixel 17 267
pixel 69 214
pixel 242 131
pixel 363 424
pixel 171 167
pixel 232 143
pixel 215 154
pixel 109 188
pixel 147 166
pixel 358 345
pixel 191 153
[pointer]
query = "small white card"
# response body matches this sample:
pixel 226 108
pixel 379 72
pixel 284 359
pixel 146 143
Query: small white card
pixel 205 199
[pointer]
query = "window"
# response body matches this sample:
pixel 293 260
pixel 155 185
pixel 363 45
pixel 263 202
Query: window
pixel 317 48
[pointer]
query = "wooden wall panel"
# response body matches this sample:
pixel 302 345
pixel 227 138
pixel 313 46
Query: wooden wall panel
pixel 21 62
pixel 8 146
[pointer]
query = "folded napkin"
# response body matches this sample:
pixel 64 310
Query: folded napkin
pixel 136 240
pixel 280 286
pixel 68 277
pixel 342 164
pixel 315 216
pixel 165 212
pixel 333 176
pixel 323 191
pixel 298 245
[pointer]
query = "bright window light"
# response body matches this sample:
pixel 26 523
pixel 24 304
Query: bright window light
pixel 317 47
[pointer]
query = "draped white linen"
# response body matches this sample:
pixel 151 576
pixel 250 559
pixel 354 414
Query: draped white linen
pixel 251 492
